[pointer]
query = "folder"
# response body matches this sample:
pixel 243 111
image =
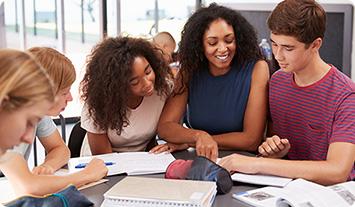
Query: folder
pixel 159 192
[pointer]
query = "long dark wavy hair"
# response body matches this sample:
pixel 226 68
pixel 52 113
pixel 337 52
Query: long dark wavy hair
pixel 105 86
pixel 191 50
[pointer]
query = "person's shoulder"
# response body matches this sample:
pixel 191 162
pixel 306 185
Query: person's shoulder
pixel 261 67
pixel 44 120
pixel 279 74
pixel 261 71
pixel 342 80
pixel 43 125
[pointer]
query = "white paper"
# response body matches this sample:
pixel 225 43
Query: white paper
pixel 258 179
pixel 132 163
pixel 7 192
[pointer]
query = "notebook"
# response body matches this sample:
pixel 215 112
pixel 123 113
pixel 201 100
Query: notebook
pixel 132 163
pixel 159 192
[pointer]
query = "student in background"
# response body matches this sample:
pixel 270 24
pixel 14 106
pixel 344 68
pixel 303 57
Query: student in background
pixel 312 104
pixel 166 42
pixel 223 82
pixel 124 89
pixel 62 73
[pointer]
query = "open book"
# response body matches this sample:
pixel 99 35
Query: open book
pixel 132 163
pixel 301 193
pixel 148 192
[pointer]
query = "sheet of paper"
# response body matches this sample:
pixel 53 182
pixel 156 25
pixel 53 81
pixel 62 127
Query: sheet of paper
pixel 138 163
pixel 268 180
pixel 132 163
pixel 7 193
pixel 111 157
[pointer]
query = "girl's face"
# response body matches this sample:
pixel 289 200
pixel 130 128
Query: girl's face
pixel 18 126
pixel 219 46
pixel 61 100
pixel 143 78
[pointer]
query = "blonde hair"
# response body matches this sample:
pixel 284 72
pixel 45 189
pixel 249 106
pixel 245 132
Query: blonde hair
pixel 22 80
pixel 59 68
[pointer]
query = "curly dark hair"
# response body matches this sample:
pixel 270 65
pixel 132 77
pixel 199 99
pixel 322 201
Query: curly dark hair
pixel 105 86
pixel 191 50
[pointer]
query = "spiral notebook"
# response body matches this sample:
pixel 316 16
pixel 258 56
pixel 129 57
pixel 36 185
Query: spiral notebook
pixel 159 192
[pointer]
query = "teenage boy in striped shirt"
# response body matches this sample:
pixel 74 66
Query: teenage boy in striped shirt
pixel 312 104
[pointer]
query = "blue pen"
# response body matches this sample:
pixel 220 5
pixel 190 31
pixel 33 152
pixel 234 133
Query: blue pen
pixel 83 165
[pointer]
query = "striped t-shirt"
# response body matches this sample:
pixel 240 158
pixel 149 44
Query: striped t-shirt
pixel 315 116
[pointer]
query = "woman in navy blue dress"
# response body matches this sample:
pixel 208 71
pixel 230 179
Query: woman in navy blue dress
pixel 221 91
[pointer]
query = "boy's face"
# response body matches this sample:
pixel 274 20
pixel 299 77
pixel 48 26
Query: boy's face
pixel 292 55
pixel 61 100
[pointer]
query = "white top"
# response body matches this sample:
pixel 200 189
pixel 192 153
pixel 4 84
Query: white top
pixel 142 126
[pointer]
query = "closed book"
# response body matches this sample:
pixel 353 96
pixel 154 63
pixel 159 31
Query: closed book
pixel 144 192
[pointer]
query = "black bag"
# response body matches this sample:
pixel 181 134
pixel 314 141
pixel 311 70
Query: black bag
pixel 201 168
pixel 69 197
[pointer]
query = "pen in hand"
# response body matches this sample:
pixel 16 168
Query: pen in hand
pixel 83 165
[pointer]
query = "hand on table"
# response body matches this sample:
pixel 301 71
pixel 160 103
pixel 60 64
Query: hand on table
pixel 206 146
pixel 239 163
pixel 43 169
pixel 168 147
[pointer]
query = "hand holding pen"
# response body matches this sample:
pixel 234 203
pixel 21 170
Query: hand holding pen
pixel 96 169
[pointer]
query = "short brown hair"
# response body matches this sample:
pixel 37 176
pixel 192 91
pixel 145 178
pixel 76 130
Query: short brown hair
pixel 59 68
pixel 302 19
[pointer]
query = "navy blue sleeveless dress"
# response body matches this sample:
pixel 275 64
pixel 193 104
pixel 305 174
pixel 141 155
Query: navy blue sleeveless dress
pixel 216 104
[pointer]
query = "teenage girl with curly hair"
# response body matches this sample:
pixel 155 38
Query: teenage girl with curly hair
pixel 223 85
pixel 124 89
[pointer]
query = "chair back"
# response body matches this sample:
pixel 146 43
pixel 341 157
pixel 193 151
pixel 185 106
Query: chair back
pixel 76 139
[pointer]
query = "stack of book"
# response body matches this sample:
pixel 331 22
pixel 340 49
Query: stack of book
pixel 148 192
